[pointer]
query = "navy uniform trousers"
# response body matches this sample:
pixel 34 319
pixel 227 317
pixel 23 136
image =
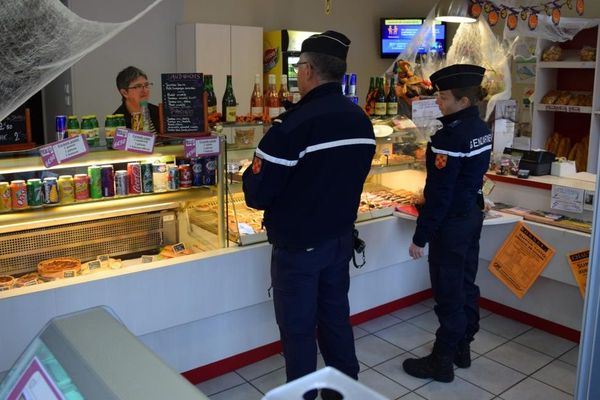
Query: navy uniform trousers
pixel 310 290
pixel 453 260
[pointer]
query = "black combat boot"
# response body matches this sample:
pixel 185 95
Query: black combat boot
pixel 435 366
pixel 462 356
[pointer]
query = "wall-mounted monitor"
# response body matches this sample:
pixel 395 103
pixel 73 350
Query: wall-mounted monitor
pixel 397 33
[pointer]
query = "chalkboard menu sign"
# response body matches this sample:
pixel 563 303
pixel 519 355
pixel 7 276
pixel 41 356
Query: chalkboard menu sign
pixel 184 104
pixel 12 128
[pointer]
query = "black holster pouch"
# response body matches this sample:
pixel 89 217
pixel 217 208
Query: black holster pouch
pixel 359 248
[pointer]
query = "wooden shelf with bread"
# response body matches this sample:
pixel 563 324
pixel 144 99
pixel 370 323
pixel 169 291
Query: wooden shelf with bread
pixel 567 105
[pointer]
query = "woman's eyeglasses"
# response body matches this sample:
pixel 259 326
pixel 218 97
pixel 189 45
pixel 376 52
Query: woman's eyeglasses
pixel 141 86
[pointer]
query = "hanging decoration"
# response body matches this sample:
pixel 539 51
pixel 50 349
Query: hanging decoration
pixel 328 7
pixel 529 13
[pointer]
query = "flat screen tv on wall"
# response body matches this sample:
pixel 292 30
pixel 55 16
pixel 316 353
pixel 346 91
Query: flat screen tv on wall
pixel 396 34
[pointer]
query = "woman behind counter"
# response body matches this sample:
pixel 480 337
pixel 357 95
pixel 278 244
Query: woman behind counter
pixel 134 88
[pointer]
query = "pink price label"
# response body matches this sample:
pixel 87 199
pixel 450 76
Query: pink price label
pixel 134 141
pixel 201 147
pixel 64 150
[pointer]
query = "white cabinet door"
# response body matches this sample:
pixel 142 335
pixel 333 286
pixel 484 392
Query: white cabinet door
pixel 221 50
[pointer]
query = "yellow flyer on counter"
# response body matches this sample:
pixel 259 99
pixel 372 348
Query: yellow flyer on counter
pixel 521 259
pixel 579 265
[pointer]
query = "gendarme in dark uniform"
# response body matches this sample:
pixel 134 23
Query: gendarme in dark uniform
pixel 451 219
pixel 307 174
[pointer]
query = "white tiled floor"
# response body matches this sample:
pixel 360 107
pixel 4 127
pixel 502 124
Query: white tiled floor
pixel 511 361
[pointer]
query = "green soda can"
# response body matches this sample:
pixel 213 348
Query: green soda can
pixel 35 191
pixel 95 174
pixel 147 181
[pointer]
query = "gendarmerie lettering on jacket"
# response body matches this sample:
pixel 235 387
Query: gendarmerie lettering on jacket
pixel 311 164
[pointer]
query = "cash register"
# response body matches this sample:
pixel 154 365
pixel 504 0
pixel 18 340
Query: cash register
pixel 538 162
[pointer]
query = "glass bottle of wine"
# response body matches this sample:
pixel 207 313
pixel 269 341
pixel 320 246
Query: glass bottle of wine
pixel 256 101
pixel 229 103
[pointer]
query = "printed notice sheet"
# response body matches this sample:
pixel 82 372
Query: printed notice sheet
pixel 521 259
pixel 579 266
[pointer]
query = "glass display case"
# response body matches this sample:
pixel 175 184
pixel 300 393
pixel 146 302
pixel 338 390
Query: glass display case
pixel 74 229
pixel 395 182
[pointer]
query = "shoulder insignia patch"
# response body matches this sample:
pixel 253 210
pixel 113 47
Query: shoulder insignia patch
pixel 441 160
pixel 256 165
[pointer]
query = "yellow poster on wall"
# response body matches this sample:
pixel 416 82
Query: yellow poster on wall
pixel 579 266
pixel 521 259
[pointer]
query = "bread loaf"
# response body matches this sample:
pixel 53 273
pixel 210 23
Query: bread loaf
pixel 563 147
pixel 552 142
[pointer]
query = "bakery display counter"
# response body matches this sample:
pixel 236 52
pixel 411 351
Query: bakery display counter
pixel 491 218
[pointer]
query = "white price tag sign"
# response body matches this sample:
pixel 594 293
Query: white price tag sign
pixel 201 147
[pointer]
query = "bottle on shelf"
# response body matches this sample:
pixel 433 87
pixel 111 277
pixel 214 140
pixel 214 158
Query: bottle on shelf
pixel 370 100
pixel 72 126
pixel 284 94
pixel 380 105
pixel 211 102
pixel 229 103
pixel 145 116
pixel 257 101
pixel 392 100
pixel 352 89
pixel 345 79
pixel 272 99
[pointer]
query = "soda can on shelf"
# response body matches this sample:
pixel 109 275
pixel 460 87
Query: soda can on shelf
pixel 108 180
pixel 173 177
pixel 50 190
pixel 121 183
pixel 66 189
pixel 134 171
pixel 18 190
pixel 61 127
pixel 147 184
pixel 82 187
pixel 185 176
pixel 209 173
pixel 196 164
pixel 5 200
pixel 95 183
pixel 35 192
pixel 159 177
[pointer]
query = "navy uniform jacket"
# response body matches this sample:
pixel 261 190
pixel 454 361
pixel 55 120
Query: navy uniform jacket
pixel 457 158
pixel 308 170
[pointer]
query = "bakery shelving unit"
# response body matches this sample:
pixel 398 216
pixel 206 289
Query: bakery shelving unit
pixel 568 74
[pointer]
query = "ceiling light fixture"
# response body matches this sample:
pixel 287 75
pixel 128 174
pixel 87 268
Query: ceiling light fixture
pixel 456 11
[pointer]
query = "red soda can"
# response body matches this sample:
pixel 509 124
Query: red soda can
pixel 134 172
pixel 185 176
pixel 82 187
pixel 18 191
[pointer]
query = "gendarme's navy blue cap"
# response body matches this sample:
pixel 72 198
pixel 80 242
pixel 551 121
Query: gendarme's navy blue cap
pixel 457 76
pixel 329 42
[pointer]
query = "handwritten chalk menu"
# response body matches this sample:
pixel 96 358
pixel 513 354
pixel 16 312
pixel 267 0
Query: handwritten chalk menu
pixel 12 128
pixel 183 102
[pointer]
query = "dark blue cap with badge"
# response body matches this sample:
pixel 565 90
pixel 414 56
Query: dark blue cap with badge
pixel 331 43
pixel 457 76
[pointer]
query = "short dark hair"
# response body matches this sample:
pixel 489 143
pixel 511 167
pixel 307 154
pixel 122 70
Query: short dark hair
pixel 128 75
pixel 329 68
pixel 474 93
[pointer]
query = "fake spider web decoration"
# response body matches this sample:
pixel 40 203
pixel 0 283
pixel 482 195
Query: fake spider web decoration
pixel 39 40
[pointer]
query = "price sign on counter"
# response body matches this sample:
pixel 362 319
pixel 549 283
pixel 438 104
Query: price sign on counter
pixel 201 147
pixel 136 142
pixel 64 150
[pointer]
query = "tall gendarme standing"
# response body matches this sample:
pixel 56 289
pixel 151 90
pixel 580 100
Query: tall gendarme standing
pixel 307 174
